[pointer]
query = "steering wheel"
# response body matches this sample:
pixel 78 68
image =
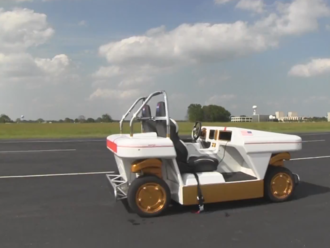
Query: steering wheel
pixel 197 130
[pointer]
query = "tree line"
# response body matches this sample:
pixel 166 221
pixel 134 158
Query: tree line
pixel 195 112
pixel 208 113
pixel 80 119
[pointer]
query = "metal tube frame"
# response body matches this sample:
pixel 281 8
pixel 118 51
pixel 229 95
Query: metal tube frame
pixel 166 117
pixel 127 113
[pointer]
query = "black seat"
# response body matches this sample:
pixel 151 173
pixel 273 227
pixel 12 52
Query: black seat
pixel 194 163
pixel 147 125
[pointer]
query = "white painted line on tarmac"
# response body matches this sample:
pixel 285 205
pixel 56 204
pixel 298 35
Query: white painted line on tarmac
pixel 311 134
pixel 310 158
pixel 29 151
pixel 58 175
pixel 313 141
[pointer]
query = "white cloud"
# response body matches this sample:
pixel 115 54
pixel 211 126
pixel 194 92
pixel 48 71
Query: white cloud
pixel 327 27
pixel 222 1
pixel 252 5
pixel 15 1
pixel 300 16
pixel 220 99
pixel 188 44
pixel 314 68
pixel 18 65
pixel 317 99
pixel 159 50
pixel 57 65
pixel 109 72
pixel 115 94
pixel 205 42
pixel 82 23
pixel 212 80
pixel 23 28
pixel 139 64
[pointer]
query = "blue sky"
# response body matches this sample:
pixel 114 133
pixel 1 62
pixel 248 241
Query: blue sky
pixel 66 58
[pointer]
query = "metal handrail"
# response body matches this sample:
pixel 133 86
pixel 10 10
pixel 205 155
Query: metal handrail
pixel 166 117
pixel 126 114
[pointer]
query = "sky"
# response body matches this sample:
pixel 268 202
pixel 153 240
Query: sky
pixel 66 58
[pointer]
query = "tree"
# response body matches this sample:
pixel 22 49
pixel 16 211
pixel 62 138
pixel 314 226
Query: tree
pixel 195 112
pixel 209 113
pixel 5 119
pixel 214 113
pixel 90 120
pixel 106 118
pixel 68 120
pixel 81 118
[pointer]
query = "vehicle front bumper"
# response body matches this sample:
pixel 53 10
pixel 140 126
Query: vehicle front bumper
pixel 118 186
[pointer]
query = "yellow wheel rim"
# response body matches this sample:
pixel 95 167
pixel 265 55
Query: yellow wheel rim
pixel 281 185
pixel 151 197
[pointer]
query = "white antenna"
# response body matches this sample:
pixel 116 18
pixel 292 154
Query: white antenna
pixel 254 110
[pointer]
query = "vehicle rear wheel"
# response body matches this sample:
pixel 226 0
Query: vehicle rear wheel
pixel 149 196
pixel 279 184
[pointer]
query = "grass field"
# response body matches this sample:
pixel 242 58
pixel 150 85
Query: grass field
pixel 68 130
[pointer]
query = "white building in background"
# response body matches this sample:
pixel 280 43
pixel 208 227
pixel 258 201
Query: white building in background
pixel 329 116
pixel 291 118
pixel 241 119
pixel 279 114
pixel 292 114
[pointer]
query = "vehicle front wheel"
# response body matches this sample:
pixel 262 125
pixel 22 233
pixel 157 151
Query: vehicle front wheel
pixel 279 184
pixel 149 196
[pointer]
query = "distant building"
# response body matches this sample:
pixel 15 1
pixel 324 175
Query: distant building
pixel 279 114
pixel 241 119
pixel 292 114
pixel 329 116
pixel 291 118
pixel 261 118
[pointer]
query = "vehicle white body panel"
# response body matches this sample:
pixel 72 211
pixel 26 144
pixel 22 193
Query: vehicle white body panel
pixel 204 178
pixel 145 145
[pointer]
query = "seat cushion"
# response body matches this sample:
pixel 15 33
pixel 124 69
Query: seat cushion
pixel 203 160
pixel 199 164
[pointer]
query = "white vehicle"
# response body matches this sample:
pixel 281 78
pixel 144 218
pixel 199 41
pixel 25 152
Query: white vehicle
pixel 219 164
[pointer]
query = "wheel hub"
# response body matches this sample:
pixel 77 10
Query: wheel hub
pixel 281 185
pixel 151 197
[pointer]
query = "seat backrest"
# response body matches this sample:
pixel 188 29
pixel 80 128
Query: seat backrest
pixel 181 150
pixel 161 124
pixel 148 125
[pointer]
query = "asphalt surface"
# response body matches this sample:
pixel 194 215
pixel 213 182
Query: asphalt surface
pixel 79 210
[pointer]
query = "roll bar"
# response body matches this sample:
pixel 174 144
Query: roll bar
pixel 166 117
pixel 128 111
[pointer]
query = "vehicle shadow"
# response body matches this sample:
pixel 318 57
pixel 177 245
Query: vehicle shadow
pixel 303 190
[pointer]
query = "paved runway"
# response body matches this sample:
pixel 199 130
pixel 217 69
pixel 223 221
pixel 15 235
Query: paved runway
pixel 59 209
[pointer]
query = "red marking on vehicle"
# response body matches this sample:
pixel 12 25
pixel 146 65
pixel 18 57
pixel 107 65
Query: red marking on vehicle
pixel 112 146
pixel 225 128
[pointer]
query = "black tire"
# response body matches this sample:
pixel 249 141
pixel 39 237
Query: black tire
pixel 152 182
pixel 275 172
